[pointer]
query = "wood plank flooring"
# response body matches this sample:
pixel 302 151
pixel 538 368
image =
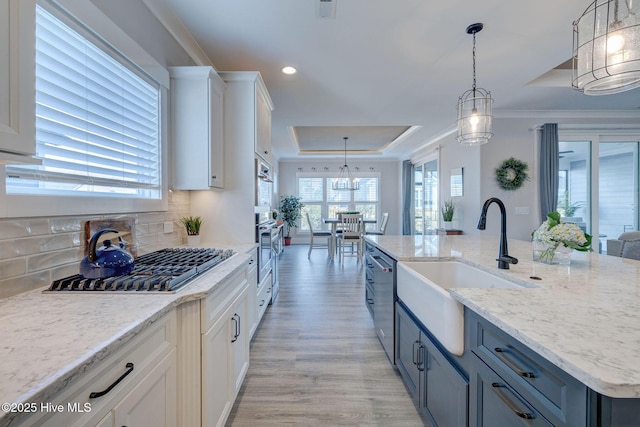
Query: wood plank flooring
pixel 315 359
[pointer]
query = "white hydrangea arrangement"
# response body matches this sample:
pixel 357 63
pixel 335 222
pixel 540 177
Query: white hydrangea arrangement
pixel 554 232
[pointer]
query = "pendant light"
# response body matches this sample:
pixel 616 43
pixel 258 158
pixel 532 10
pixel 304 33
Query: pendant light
pixel 474 106
pixel 606 48
pixel 346 181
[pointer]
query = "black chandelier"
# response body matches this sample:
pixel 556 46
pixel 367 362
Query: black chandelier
pixel 346 181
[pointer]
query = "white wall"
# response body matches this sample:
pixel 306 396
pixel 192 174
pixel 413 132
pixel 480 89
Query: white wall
pixel 390 197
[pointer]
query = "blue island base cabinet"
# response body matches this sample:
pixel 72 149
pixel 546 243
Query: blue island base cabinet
pixel 436 384
pixel 511 385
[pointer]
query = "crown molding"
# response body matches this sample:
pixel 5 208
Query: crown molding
pixel 566 114
pixel 163 13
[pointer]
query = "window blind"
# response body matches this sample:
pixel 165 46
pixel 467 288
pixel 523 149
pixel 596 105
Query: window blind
pixel 97 121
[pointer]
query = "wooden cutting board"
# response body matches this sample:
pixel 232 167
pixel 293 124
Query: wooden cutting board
pixel 125 227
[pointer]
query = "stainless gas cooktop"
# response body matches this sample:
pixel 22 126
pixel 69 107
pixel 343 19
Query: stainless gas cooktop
pixel 166 270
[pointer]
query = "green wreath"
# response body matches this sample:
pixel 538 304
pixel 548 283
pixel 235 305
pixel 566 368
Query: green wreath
pixel 512 174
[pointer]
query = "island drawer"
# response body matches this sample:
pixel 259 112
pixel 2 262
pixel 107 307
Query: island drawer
pixel 556 394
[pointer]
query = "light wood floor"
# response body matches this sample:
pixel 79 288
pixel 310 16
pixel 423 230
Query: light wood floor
pixel 315 359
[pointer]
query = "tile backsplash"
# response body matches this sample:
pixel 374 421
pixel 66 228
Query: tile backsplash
pixel 35 251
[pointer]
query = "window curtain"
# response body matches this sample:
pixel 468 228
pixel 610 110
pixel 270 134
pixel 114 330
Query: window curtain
pixel 407 197
pixel 548 170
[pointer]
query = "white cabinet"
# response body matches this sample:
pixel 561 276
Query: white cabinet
pixel 263 124
pixel 152 401
pixel 197 111
pixel 17 81
pixel 240 112
pixel 215 378
pixel 135 386
pixel 225 346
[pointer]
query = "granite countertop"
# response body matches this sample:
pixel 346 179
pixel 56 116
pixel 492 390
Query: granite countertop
pixel 584 318
pixel 49 338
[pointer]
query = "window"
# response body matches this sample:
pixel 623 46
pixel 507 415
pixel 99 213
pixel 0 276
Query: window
pixel 599 183
pixel 98 119
pixel 425 197
pixel 322 201
pixel 311 191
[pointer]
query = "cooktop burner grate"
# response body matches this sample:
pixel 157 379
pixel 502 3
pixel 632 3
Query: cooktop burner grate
pixel 166 270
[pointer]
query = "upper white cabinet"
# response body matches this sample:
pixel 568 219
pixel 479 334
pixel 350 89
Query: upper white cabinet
pixel 256 108
pixel 197 110
pixel 263 123
pixel 17 81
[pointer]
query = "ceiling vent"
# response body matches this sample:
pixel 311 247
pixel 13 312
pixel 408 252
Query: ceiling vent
pixel 327 9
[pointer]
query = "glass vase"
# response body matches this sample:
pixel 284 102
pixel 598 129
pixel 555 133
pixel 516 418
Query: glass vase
pixel 551 253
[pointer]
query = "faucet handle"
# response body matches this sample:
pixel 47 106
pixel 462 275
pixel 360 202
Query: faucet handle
pixel 507 258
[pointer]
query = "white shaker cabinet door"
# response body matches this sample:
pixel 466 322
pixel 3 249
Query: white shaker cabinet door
pixel 17 80
pixel 153 402
pixel 197 111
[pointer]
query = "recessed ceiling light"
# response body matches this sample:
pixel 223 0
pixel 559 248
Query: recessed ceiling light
pixel 289 70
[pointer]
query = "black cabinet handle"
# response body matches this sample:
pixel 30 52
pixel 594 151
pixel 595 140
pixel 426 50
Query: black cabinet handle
pixel 213 176
pixel 262 303
pixel 97 394
pixel 501 353
pixel 414 357
pixel 497 388
pixel 421 357
pixel 370 301
pixel 235 327
pixel 239 325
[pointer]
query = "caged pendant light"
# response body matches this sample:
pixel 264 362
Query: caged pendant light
pixel 346 181
pixel 474 106
pixel 606 47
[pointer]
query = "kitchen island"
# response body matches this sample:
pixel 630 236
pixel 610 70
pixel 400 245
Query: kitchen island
pixel 51 340
pixel 584 319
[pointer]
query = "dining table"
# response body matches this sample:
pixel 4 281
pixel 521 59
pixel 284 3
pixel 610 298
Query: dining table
pixel 334 228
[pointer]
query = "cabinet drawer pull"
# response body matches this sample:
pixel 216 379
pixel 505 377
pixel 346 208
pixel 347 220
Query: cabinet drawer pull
pixel 97 394
pixel 380 266
pixel 235 328
pixel 262 303
pixel 370 301
pixel 497 388
pixel 501 353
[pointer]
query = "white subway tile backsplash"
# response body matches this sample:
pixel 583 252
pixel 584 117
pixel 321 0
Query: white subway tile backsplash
pixel 20 228
pixel 49 260
pixel 65 225
pixel 12 268
pixel 28 282
pixel 33 245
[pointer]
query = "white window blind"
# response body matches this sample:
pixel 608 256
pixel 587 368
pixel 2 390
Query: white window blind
pixel 97 121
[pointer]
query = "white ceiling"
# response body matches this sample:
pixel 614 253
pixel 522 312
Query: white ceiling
pixel 390 63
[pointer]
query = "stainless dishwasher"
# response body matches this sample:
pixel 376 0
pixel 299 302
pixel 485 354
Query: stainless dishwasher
pixel 381 270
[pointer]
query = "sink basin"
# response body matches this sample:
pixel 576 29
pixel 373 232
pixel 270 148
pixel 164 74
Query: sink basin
pixel 423 288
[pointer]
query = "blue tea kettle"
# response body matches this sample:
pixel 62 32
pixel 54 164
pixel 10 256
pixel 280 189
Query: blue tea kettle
pixel 107 261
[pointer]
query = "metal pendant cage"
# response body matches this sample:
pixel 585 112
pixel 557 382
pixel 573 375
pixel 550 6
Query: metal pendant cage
pixel 606 48
pixel 474 117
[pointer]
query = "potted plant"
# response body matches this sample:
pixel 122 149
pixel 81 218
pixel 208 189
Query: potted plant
pixel 447 214
pixel 291 211
pixel 192 224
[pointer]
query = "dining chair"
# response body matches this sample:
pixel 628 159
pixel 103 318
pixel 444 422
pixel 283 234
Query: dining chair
pixel 383 226
pixel 313 234
pixel 352 228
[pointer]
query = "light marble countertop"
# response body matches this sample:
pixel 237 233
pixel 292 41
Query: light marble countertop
pixel 584 318
pixel 49 338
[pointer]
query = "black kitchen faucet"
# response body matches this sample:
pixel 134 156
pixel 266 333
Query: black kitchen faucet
pixel 503 255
